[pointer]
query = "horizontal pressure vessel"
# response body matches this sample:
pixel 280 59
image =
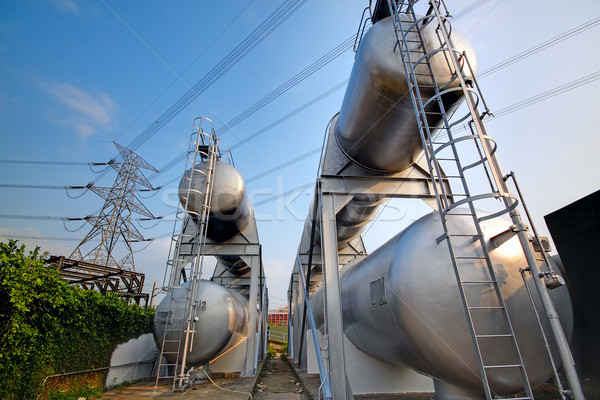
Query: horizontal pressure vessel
pixel 377 127
pixel 220 323
pixel 402 304
pixel 230 208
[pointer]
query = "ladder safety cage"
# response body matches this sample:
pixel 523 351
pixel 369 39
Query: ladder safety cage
pixel 441 151
pixel 437 142
pixel 189 233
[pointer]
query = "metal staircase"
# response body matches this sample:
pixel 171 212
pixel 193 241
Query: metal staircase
pixel 184 271
pixel 468 251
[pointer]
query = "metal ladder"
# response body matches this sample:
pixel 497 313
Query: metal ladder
pixel 443 160
pixel 189 237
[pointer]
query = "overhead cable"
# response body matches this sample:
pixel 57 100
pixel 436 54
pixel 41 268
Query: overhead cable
pixel 542 46
pixel 280 15
pixel 301 76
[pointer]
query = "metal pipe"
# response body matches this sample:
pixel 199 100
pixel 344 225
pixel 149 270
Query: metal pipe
pixel 322 372
pixel 546 344
pixel 291 338
pixel 533 229
pixel 310 257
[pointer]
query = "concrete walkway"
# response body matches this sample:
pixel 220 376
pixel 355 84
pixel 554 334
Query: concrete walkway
pixel 275 381
pixel 229 388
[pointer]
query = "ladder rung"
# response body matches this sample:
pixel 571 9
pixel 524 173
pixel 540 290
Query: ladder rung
pixel 494 335
pixel 460 214
pixel 470 258
pixel 481 282
pixel 503 366
pixel 486 308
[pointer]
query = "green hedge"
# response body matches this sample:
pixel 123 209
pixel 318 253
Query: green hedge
pixel 50 327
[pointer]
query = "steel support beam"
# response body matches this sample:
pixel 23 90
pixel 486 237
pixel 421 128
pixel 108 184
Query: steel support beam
pixel 334 341
pixel 251 342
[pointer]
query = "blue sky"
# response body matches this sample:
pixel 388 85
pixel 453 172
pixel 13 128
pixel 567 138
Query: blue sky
pixel 77 75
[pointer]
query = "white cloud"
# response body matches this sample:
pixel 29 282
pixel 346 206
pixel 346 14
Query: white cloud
pixel 86 113
pixel 66 5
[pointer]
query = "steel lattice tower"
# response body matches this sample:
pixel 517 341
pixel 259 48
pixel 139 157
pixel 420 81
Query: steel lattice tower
pixel 114 223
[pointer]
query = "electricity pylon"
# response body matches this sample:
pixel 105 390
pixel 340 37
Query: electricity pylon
pixel 114 223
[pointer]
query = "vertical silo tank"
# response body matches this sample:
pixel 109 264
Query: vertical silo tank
pixel 401 304
pixel 230 209
pixel 221 322
pixel 377 127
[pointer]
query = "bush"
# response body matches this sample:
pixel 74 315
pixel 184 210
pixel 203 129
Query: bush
pixel 50 327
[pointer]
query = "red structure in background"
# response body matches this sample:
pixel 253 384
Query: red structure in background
pixel 279 317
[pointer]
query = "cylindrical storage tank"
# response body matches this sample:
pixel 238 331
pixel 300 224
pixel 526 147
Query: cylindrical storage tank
pixel 351 220
pixel 221 322
pixel 234 264
pixel 230 209
pixel 402 304
pixel 377 127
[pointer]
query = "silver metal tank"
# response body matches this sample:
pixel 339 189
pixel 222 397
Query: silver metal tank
pixel 377 126
pixel 221 321
pixel 230 209
pixel 230 212
pixel 401 304
pixel 351 219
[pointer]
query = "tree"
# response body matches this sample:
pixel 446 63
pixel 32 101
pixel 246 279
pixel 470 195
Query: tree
pixel 48 326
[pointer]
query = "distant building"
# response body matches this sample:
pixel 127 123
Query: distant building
pixel 278 317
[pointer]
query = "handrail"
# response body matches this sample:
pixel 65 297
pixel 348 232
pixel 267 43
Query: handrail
pixel 327 394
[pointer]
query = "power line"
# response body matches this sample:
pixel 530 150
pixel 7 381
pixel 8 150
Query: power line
pixel 548 94
pixel 42 217
pixel 542 46
pixel 301 76
pixel 256 134
pixel 23 186
pixel 280 15
pixel 40 237
pixel 38 162
pixel 298 110
pixel 285 164
pixel 546 44
pixel 469 9
pixel 500 113
pixel 284 194
pixel 178 76
pixel 274 20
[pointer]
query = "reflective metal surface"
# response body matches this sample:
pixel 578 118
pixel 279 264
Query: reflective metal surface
pixel 352 219
pixel 221 321
pixel 377 126
pixel 401 304
pixel 230 211
pixel 230 207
